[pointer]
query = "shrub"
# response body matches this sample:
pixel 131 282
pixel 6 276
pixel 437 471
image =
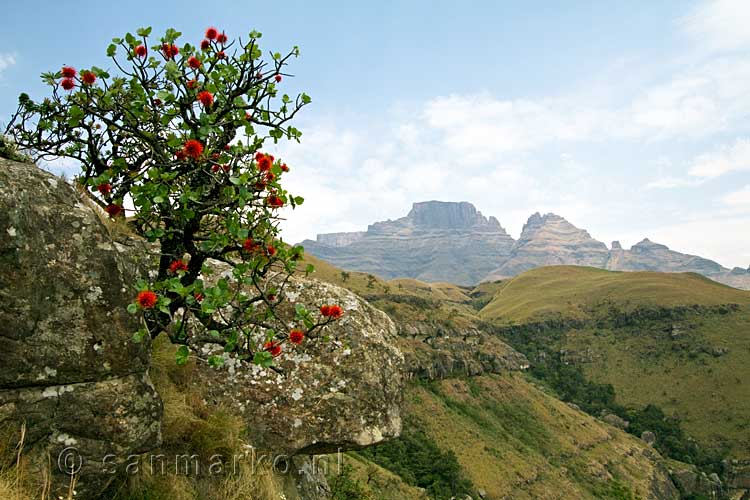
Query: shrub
pixel 174 140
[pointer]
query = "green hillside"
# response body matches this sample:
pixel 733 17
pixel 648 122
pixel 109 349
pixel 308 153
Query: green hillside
pixel 515 441
pixel 678 341
pixel 581 292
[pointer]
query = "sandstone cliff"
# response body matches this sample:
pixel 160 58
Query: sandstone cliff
pixel 436 241
pixel 443 241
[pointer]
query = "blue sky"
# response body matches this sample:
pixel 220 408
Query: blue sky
pixel 630 119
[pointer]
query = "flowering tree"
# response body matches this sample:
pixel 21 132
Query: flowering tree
pixel 177 134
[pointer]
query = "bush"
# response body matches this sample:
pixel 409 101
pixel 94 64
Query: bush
pixel 177 133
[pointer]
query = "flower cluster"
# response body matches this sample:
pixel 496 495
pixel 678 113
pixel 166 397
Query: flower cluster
pixel 331 311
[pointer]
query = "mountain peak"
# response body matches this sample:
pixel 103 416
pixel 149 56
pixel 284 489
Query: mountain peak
pixel 449 215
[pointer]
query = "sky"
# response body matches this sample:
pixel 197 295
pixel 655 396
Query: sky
pixel 629 119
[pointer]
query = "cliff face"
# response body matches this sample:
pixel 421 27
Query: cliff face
pixel 436 241
pixel 551 240
pixel 453 242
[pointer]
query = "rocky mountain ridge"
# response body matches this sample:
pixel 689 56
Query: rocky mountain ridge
pixel 453 242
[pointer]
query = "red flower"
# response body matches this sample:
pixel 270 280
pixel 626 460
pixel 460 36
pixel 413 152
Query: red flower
pixel 68 72
pixel 271 250
pixel 68 83
pixel 227 147
pixel 177 265
pixel 336 312
pixel 191 84
pixel 271 298
pixel 198 296
pixel 206 98
pixel 170 51
pixel 194 62
pixel 215 156
pixel 180 155
pixel 275 201
pixel 146 299
pixel 270 177
pixel 284 168
pixel 250 245
pixel 273 347
pixel 141 51
pixel 226 167
pixel 211 33
pixel 331 311
pixel 265 162
pixel 114 210
pixel 220 54
pixel 277 78
pixel 193 148
pixel 205 45
pixel 248 116
pixel 88 77
pixel 221 38
pixel 104 188
pixel 296 336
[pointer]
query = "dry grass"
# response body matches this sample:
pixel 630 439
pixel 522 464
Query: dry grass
pixel 19 480
pixel 190 427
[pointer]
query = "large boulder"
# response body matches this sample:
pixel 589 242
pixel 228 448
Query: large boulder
pixel 328 395
pixel 70 370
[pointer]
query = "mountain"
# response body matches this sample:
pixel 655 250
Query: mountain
pixel 453 242
pixel 549 240
pixel 436 241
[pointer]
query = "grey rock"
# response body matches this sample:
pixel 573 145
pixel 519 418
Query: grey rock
pixel 616 421
pixel 648 436
pixel 70 369
pixel 336 395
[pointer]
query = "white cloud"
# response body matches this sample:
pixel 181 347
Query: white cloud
pixel 739 198
pixel 723 160
pixel 670 182
pixel 719 24
pixel 6 61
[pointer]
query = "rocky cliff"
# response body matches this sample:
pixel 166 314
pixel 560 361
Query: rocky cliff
pixel 70 372
pixel 453 242
pixel 76 399
pixel 436 241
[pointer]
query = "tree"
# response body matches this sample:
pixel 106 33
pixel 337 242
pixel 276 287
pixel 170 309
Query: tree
pixel 177 134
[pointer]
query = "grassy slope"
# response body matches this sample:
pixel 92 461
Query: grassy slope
pixel 572 292
pixel 646 363
pixel 515 441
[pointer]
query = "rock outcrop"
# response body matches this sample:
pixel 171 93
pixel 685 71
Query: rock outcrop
pixel 436 241
pixel 435 351
pixel 70 370
pixel 336 395
pixel 443 241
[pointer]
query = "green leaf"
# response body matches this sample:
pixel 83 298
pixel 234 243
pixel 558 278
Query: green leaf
pixel 306 99
pixel 182 355
pixel 111 50
pixel 263 358
pixel 139 335
pixel 144 31
pixel 132 308
pixel 215 361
